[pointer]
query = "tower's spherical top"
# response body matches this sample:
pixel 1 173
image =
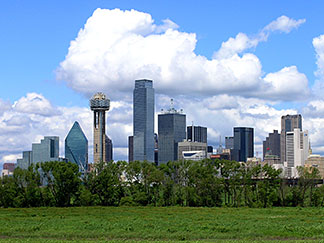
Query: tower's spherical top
pixel 99 101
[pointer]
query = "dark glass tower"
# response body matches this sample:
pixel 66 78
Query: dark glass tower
pixel 76 147
pixel 272 144
pixel 172 130
pixel 243 143
pixel 143 118
pixel 199 133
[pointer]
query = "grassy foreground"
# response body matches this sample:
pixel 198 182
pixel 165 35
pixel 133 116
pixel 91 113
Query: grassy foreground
pixel 161 224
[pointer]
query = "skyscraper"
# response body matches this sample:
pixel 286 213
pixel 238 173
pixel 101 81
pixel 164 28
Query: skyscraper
pixel 272 144
pixel 243 143
pixel 199 134
pixel 130 148
pixel 99 104
pixel 229 142
pixel 26 160
pixel 288 124
pixel 109 149
pixel 297 146
pixel 143 120
pixel 76 147
pixel 46 150
pixel 172 130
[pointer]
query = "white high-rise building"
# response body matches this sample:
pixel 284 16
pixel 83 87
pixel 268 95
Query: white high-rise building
pixel 297 146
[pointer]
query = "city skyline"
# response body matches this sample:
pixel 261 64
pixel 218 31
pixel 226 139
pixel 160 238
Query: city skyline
pixel 279 58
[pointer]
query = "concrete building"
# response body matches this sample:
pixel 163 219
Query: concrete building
pixel 316 161
pixel 46 150
pixel 288 124
pixel 243 144
pixel 76 147
pixel 198 134
pixel 26 160
pixel 229 142
pixel 271 145
pixel 143 120
pixel 99 104
pixel 271 159
pixel 130 148
pixel 192 147
pixel 171 131
pixel 296 151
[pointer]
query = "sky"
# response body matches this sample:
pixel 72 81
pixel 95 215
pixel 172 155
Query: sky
pixel 225 63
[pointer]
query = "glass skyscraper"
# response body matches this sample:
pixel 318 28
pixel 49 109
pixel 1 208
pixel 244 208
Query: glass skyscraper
pixel 172 130
pixel 243 143
pixel 199 133
pixel 76 147
pixel 143 120
pixel 47 150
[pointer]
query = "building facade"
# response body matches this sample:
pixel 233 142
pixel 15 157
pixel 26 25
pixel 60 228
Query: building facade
pixel 99 104
pixel 229 142
pixel 171 131
pixel 198 134
pixel 186 146
pixel 130 148
pixel 288 124
pixel 109 149
pixel 243 144
pixel 76 147
pixel 143 120
pixel 271 145
pixel 316 161
pixel 296 151
pixel 46 150
pixel 26 160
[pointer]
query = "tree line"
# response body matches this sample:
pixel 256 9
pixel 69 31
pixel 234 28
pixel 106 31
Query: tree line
pixel 205 183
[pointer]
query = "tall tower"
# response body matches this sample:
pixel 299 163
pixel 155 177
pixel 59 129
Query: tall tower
pixel 243 143
pixel 143 118
pixel 99 104
pixel 288 124
pixel 172 130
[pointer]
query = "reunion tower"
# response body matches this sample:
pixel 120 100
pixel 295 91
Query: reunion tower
pixel 99 104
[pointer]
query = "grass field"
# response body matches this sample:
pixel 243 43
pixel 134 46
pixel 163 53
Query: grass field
pixel 162 224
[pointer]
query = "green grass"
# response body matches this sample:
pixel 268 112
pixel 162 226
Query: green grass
pixel 119 224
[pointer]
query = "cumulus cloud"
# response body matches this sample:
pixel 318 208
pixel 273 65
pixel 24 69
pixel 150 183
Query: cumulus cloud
pixel 116 47
pixel 34 103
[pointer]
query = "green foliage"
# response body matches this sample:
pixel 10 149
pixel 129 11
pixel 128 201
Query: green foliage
pixel 206 183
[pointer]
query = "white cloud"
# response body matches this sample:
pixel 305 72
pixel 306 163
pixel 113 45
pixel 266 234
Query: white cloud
pixel 284 24
pixel 116 47
pixel 35 104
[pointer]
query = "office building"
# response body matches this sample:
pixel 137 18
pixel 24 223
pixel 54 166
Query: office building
pixel 130 149
pixel 171 131
pixel 271 145
pixel 109 149
pixel 296 151
pixel 99 104
pixel 189 146
pixel 143 120
pixel 46 150
pixel 76 147
pixel 229 142
pixel 198 134
pixel 156 149
pixel 288 124
pixel 243 144
pixel 26 160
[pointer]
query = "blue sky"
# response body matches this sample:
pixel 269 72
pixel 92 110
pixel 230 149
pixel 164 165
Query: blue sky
pixel 36 36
